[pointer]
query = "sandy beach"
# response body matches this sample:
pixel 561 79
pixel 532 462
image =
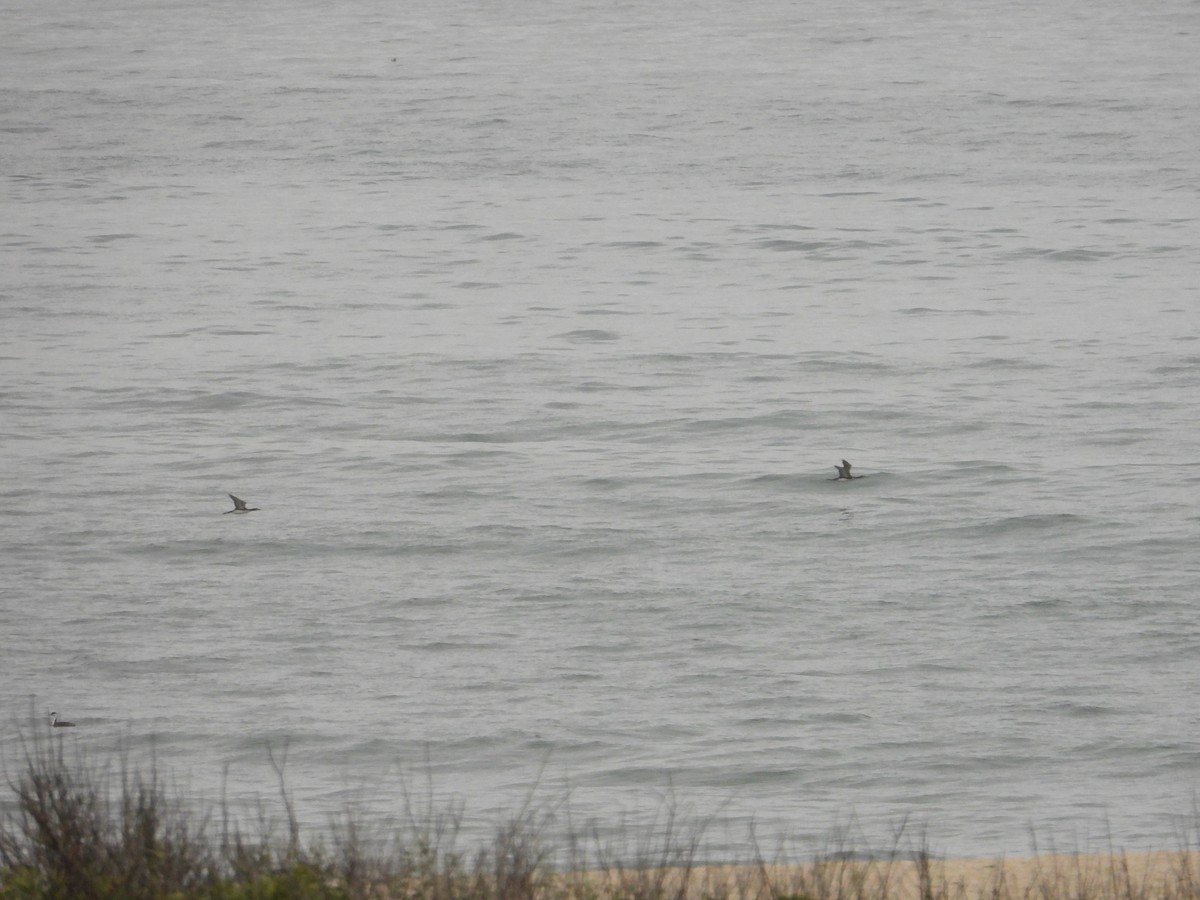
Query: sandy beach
pixel 1130 876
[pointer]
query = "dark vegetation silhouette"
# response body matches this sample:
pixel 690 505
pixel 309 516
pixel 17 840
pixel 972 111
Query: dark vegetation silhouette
pixel 76 830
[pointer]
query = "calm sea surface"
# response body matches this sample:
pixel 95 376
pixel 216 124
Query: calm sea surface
pixel 535 329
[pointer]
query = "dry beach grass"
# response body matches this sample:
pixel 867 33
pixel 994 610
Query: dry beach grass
pixel 75 831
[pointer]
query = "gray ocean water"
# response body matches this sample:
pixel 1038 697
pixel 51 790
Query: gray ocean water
pixel 535 329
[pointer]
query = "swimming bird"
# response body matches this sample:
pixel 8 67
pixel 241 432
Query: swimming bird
pixel 844 471
pixel 55 722
pixel 239 505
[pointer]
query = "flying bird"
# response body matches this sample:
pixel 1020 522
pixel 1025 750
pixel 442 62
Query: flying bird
pixel 844 471
pixel 239 506
pixel 56 722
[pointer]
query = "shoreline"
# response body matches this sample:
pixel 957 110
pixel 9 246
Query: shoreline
pixel 1117 875
pixel 79 828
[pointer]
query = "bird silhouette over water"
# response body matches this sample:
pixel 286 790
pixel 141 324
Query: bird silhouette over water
pixel 844 472
pixel 56 722
pixel 239 506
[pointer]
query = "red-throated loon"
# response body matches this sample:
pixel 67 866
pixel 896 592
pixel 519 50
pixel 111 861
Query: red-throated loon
pixel 239 505
pixel 844 471
pixel 55 722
